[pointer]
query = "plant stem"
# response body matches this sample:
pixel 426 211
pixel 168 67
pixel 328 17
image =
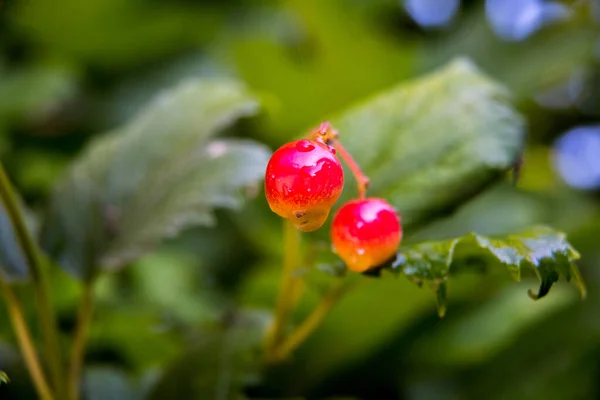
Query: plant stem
pixel 309 325
pixel 25 343
pixel 46 315
pixel 84 319
pixel 326 133
pixel 361 179
pixel 288 288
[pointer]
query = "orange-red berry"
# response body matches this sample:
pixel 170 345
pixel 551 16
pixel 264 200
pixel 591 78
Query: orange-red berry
pixel 366 233
pixel 304 179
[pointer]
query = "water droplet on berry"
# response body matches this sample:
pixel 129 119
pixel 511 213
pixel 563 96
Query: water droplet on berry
pixel 332 150
pixel 360 251
pixel 305 146
pixel 360 224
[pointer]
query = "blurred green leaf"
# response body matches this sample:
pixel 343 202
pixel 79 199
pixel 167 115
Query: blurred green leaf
pixel 224 359
pixel 4 377
pixel 545 59
pixel 154 177
pixel 35 171
pixel 514 211
pixel 178 291
pixel 130 330
pixel 311 58
pixel 430 144
pixel 113 33
pixel 568 371
pixel 544 250
pixel 35 91
pixel 358 325
pixel 101 383
pixel 479 335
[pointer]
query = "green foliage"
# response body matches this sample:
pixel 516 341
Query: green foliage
pixel 106 383
pixel 13 264
pixel 544 250
pixel 35 92
pixel 430 144
pixel 152 178
pixel 307 66
pixel 112 33
pixel 4 377
pixel 172 324
pixel 524 69
pixel 478 335
pixel 223 360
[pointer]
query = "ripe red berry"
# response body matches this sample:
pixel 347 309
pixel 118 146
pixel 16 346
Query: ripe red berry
pixel 366 233
pixel 304 178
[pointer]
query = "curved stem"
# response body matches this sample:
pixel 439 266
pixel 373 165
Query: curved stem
pixel 46 315
pixel 84 319
pixel 25 343
pixel 361 179
pixel 309 325
pixel 288 289
pixel 327 134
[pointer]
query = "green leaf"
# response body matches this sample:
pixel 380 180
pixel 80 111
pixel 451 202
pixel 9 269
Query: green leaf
pixel 478 335
pixel 154 177
pixel 430 144
pixel 222 361
pixel 309 68
pixel 541 249
pixel 4 377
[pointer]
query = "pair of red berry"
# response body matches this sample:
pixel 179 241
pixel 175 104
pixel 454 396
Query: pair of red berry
pixel 305 178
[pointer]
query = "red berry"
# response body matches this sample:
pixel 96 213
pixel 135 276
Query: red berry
pixel 303 181
pixel 366 233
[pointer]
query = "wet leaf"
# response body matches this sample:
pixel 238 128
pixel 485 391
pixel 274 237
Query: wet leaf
pixel 430 144
pixel 153 177
pixel 544 250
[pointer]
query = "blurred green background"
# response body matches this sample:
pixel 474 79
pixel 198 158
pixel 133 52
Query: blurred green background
pixel 70 69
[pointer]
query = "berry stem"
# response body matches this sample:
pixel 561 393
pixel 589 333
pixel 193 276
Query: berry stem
pixel 26 343
pixel 84 319
pixel 311 323
pixel 361 179
pixel 289 288
pixel 36 264
pixel 327 134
